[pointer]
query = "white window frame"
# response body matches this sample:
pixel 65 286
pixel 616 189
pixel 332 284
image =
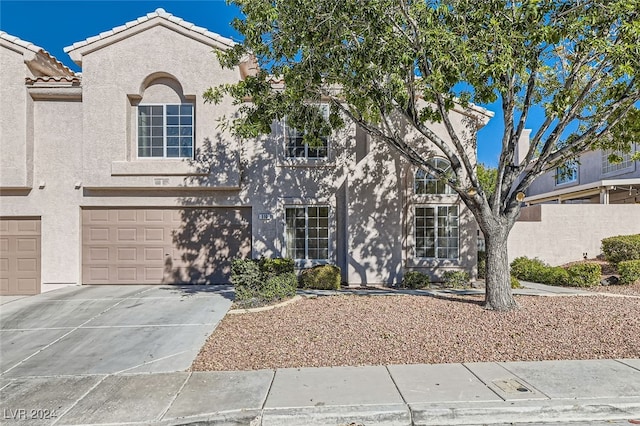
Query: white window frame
pixel 307 230
pixel 563 178
pixel 422 179
pixel 610 168
pixel 437 245
pixel 165 135
pixel 292 133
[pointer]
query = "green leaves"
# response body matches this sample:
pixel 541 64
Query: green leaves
pixel 373 60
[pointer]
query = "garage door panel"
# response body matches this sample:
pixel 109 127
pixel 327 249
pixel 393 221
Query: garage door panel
pixel 20 256
pixel 164 245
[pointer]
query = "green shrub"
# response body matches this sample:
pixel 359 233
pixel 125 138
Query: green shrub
pixel 629 271
pixel 279 287
pixel 482 264
pixel 621 248
pixel 260 282
pixel 246 278
pixel 584 275
pixel 276 266
pixel 554 275
pixel 322 277
pixel 415 279
pixel 456 279
pixel 514 282
pixel 527 269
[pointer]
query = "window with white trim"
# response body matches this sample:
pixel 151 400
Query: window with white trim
pixel 165 131
pixel 297 148
pixel 307 232
pixel 437 232
pixel 609 167
pixel 568 173
pixel 425 183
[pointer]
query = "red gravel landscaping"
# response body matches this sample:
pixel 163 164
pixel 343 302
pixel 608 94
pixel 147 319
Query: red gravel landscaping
pixel 371 330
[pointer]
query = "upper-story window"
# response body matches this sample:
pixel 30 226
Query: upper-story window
pixel 165 131
pixel 297 148
pixel 609 167
pixel 425 183
pixel 568 173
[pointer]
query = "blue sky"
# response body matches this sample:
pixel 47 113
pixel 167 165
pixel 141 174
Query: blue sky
pixel 54 25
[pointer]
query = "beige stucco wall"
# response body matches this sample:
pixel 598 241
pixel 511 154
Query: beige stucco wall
pixel 54 198
pixel 16 145
pixel 566 231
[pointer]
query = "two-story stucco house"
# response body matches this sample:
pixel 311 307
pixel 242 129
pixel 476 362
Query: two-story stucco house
pixel 122 175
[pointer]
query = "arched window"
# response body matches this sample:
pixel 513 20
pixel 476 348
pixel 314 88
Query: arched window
pixel 425 183
pixel 165 121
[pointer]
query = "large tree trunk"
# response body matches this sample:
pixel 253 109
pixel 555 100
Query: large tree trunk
pixel 498 294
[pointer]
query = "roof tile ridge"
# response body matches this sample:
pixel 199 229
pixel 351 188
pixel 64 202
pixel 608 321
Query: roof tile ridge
pixel 158 13
pixel 36 49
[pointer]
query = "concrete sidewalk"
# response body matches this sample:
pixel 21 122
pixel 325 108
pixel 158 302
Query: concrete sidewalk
pixel 445 394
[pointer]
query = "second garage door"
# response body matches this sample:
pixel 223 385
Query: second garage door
pixel 163 246
pixel 19 256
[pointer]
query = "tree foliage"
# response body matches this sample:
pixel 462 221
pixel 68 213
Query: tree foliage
pixel 379 62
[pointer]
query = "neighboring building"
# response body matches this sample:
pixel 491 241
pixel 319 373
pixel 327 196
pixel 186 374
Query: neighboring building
pixel 571 209
pixel 121 175
pixel 591 179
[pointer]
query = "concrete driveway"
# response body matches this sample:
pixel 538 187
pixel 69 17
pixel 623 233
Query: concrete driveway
pixel 83 330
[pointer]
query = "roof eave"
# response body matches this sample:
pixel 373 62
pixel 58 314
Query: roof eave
pixel 157 18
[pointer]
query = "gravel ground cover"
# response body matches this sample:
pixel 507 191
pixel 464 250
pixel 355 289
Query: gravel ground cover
pixel 372 330
pixel 629 289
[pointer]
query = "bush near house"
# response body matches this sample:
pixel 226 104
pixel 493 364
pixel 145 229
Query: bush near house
pixel 259 282
pixel 527 269
pixel 482 264
pixel 584 274
pixel 514 282
pixel 456 279
pixel 621 248
pixel 415 280
pixel 576 275
pixel 322 277
pixel 629 271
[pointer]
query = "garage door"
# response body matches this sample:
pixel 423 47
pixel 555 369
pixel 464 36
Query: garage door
pixel 19 256
pixel 163 246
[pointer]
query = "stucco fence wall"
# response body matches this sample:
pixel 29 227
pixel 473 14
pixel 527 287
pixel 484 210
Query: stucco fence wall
pixel 561 233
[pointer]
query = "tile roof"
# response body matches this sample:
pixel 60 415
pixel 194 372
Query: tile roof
pixel 38 50
pixel 158 13
pixel 61 79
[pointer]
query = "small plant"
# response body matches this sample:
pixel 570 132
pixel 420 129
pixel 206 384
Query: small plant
pixel 482 264
pixel 621 248
pixel 276 266
pixel 246 278
pixel 323 277
pixel 278 287
pixel 415 280
pixel 584 275
pixel 456 279
pixel 554 275
pixel 629 271
pixel 514 282
pixel 263 281
pixel 527 269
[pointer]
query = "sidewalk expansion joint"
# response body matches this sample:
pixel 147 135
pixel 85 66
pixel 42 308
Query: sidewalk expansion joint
pixel 404 401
